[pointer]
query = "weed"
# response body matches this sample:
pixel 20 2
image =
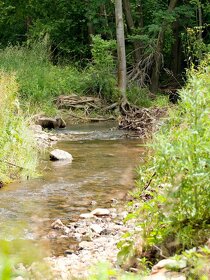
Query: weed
pixel 18 154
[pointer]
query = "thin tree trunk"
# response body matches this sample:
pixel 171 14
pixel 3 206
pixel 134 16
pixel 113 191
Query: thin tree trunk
pixel 120 48
pixel 158 52
pixel 130 25
pixel 175 49
pixel 140 13
pixel 200 20
pixel 90 30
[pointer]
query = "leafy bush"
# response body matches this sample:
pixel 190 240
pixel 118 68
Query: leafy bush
pixel 173 188
pixel 18 153
pixel 102 78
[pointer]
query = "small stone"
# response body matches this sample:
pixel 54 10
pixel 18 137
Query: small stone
pixel 96 228
pixel 57 224
pixel 60 155
pixel 101 212
pixel 87 216
pixel 77 236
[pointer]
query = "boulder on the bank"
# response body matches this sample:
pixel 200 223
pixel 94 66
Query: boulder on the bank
pixel 49 123
pixel 60 155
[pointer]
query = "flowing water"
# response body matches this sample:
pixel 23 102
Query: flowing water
pixel 103 166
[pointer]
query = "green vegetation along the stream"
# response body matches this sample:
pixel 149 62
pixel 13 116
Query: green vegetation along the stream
pixel 18 153
pixel 172 196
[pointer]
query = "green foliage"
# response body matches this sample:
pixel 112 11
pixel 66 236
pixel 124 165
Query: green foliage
pixel 173 188
pixel 40 81
pixel 198 263
pixel 102 80
pixel 18 154
pixel 17 255
pixel 141 97
pixel 195 47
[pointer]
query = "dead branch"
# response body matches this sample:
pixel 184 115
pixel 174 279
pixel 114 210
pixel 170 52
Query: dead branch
pixel 142 120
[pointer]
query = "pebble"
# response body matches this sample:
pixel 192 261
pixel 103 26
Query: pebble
pixel 96 228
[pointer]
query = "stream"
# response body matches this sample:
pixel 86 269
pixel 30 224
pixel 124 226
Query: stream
pixel 103 167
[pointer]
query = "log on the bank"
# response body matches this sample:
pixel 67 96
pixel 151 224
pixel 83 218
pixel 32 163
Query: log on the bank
pixel 77 102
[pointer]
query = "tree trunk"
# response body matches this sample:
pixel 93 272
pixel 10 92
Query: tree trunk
pixel 120 48
pixel 174 65
pixel 90 31
pixel 158 52
pixel 200 19
pixel 130 25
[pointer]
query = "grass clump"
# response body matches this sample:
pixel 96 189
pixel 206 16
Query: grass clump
pixel 39 80
pixel 18 153
pixel 173 188
pixel 142 97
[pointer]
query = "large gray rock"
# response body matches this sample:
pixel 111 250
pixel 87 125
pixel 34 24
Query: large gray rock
pixel 49 123
pixel 60 155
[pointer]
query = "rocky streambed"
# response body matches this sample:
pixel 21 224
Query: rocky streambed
pixel 102 168
pixel 96 234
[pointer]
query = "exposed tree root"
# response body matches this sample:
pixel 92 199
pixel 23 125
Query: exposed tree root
pixel 78 102
pixel 144 121
pixel 98 119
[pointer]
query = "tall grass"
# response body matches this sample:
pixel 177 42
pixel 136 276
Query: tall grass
pixel 18 152
pixel 39 80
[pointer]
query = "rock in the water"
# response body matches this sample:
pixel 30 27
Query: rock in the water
pixel 60 155
pixel 49 123
pixel 101 212
pixel 57 224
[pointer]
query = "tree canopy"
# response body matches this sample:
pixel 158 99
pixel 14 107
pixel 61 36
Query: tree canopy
pixel 161 37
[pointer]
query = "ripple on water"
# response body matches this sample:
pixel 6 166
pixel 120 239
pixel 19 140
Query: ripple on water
pixel 102 168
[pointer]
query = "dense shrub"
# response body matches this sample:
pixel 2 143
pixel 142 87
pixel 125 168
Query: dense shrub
pixel 173 188
pixel 39 80
pixel 18 153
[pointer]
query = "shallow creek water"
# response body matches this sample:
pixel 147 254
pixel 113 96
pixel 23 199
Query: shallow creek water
pixel 104 160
